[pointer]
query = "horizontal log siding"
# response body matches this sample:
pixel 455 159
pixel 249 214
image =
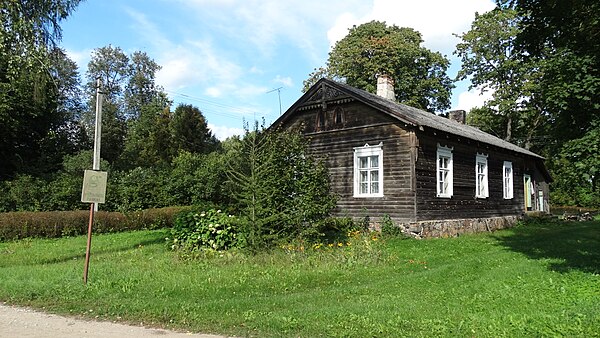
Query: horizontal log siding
pixel 336 146
pixel 463 203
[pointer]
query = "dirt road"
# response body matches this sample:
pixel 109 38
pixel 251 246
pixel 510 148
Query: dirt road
pixel 22 322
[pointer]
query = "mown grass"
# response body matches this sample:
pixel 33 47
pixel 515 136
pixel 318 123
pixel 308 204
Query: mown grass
pixel 541 279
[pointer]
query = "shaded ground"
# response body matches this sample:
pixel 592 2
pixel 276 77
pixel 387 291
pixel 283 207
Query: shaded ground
pixel 574 245
pixel 23 322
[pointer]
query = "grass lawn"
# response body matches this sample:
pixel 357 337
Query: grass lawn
pixel 542 279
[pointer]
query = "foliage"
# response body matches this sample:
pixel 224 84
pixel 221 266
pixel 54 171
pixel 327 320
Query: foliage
pixel 204 230
pixel 492 62
pixel 141 89
pixel 191 179
pixel 483 285
pixel 18 225
pixel 391 230
pixel 564 34
pixel 190 131
pixel 374 49
pixel 37 85
pixel 278 187
pixel 149 140
pixel 577 171
pixel 139 188
pixel 196 178
pixel 331 229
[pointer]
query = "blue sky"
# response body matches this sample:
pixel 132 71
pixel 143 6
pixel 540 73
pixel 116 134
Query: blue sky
pixel 224 56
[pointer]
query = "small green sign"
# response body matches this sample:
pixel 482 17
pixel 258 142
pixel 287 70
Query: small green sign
pixel 94 186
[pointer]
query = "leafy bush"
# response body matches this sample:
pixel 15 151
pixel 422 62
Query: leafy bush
pixel 211 229
pixel 196 178
pixel 52 224
pixel 389 229
pixel 330 230
pixel 139 189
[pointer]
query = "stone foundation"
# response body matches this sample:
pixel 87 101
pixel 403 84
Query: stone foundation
pixel 455 227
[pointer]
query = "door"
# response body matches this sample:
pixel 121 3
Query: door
pixel 541 200
pixel 528 192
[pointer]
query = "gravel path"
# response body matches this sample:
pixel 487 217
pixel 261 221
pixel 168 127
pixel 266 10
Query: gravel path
pixel 20 322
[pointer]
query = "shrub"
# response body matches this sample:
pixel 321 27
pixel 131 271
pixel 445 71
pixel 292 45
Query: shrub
pixel 52 224
pixel 389 229
pixel 211 229
pixel 138 189
pixel 331 229
pixel 196 178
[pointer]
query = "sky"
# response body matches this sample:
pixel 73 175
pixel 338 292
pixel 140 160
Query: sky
pixel 236 60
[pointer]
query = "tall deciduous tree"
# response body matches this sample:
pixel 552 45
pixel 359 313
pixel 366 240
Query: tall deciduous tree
pixel 567 35
pixel 149 142
pixel 141 89
pixel 111 66
pixel 190 131
pixel 492 62
pixel 29 92
pixel 374 49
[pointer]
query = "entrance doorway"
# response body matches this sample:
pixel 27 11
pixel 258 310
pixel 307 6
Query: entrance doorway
pixel 528 192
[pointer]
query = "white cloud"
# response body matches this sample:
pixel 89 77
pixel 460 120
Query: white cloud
pixel 263 25
pixel 285 81
pixel 223 132
pixel 436 20
pixel 256 70
pixel 81 58
pixel 472 98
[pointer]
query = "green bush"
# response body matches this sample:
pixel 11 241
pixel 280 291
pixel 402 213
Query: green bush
pixel 196 178
pixel 52 224
pixel 389 229
pixel 211 229
pixel 330 230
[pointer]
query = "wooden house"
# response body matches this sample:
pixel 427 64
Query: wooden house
pixel 435 176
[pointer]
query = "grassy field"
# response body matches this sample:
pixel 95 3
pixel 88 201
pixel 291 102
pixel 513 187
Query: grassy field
pixel 542 279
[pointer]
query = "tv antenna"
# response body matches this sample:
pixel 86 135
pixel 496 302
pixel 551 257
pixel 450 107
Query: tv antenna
pixel 278 95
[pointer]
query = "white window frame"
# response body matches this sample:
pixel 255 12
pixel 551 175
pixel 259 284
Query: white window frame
pixel 508 180
pixel 481 185
pixel 444 152
pixel 368 152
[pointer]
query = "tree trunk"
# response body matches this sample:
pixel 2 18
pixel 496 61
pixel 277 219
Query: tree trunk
pixel 508 128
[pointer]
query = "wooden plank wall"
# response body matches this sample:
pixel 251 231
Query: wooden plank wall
pixel 362 125
pixel 463 203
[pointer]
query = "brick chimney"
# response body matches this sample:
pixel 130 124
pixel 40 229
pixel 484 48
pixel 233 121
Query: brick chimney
pixel 385 87
pixel 459 116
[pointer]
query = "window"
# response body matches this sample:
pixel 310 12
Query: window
pixel 507 168
pixel 481 176
pixel 368 171
pixel 321 122
pixel 444 172
pixel 338 116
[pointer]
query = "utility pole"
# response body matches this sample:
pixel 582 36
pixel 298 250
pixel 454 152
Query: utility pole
pixel 278 95
pixel 95 166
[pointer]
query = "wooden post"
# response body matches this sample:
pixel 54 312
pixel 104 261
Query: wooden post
pixel 95 166
pixel 89 245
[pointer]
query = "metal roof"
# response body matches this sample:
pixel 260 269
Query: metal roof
pixel 420 118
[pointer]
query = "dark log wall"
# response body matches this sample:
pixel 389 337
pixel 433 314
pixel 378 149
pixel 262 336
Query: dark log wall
pixel 336 123
pixel 463 203
pixel 335 142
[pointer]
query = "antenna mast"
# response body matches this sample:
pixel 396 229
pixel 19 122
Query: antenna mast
pixel 278 95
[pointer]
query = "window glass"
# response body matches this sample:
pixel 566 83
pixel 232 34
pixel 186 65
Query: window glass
pixel 481 176
pixel 508 180
pixel 444 172
pixel 368 171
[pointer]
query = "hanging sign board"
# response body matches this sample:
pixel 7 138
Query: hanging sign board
pixel 94 186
